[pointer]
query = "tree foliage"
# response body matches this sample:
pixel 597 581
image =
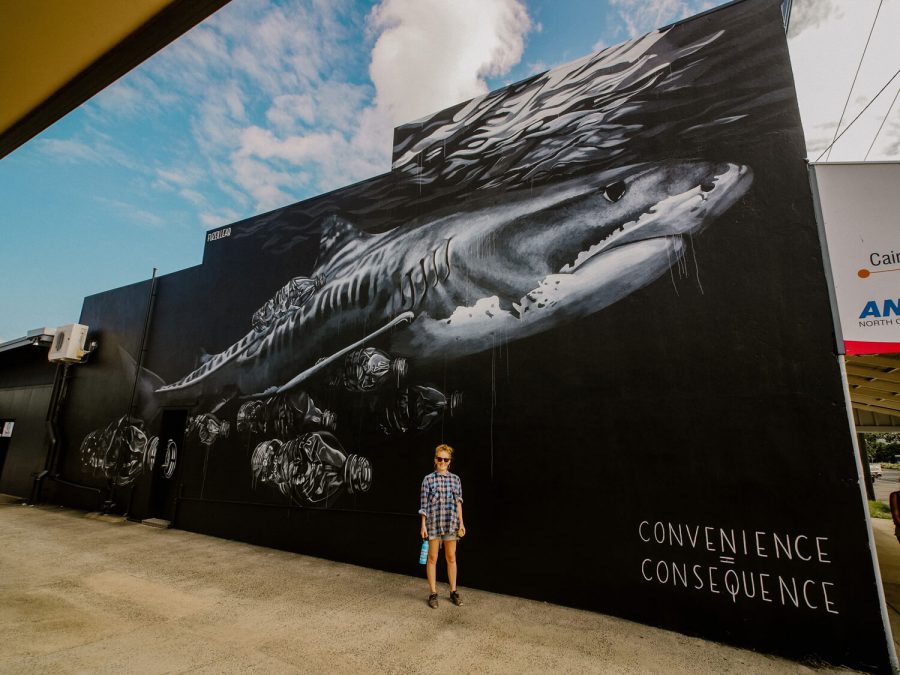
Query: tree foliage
pixel 882 447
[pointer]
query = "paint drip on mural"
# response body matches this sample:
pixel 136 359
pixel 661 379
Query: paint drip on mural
pixel 506 216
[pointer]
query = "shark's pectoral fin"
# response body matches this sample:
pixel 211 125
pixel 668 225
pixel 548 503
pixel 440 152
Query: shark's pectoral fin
pixel 324 363
pixel 147 383
pixel 271 391
pixel 226 397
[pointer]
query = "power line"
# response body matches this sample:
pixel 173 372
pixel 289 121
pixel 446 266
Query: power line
pixel 880 91
pixel 881 126
pixel 853 84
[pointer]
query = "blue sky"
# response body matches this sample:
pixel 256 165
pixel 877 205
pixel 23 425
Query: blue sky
pixel 267 103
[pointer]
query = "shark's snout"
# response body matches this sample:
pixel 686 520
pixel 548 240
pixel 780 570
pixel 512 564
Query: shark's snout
pixel 513 267
pixel 673 201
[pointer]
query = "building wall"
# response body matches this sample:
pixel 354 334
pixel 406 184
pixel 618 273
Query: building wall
pixel 26 381
pixel 607 287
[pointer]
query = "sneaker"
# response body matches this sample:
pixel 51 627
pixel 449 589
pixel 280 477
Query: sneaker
pixel 432 601
pixel 455 599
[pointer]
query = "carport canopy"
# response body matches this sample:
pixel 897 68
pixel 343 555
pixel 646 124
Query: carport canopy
pixel 875 392
pixel 56 54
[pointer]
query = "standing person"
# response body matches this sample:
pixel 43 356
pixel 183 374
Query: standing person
pixel 440 503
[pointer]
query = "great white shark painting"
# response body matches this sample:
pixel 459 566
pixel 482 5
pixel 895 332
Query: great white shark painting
pixel 602 285
pixel 457 283
pixel 508 216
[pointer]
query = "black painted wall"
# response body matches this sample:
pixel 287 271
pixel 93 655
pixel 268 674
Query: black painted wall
pixel 677 453
pixel 26 382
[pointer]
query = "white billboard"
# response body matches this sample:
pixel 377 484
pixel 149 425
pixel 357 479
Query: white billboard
pixel 859 208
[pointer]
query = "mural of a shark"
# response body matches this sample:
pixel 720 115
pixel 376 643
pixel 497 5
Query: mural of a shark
pixel 600 282
pixel 514 266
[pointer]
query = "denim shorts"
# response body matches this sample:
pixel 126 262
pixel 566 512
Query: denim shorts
pixel 450 536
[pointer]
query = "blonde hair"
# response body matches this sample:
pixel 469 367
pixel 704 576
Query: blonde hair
pixel 445 448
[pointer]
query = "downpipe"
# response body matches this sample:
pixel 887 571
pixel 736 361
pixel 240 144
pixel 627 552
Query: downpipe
pixel 110 503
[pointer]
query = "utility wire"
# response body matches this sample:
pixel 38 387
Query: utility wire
pixel 880 91
pixel 881 126
pixel 853 84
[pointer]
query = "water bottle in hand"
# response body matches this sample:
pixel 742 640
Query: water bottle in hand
pixel 423 554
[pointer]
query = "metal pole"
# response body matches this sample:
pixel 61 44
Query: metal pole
pixel 867 475
pixel 151 301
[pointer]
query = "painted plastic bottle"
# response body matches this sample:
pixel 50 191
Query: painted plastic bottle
pixel 313 468
pixel 423 553
pixel 208 427
pixel 284 415
pixel 417 408
pixel 370 369
pixel 296 411
pixel 122 445
pixel 291 296
pixel 251 416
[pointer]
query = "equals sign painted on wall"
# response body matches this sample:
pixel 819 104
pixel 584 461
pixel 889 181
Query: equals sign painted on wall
pixel 727 559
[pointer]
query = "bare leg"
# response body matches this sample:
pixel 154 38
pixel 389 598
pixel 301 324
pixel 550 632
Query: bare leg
pixel 434 546
pixel 450 555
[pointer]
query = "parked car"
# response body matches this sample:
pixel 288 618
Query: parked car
pixel 875 470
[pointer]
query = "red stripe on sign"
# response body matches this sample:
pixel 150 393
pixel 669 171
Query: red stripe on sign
pixel 856 347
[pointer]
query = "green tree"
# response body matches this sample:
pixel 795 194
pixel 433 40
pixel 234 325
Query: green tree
pixel 882 447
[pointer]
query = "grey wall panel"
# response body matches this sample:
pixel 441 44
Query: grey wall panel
pixel 28 445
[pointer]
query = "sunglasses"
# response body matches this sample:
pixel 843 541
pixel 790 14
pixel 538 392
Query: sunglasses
pixel 441 459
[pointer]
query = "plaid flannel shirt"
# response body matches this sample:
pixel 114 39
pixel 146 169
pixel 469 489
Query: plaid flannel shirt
pixel 437 502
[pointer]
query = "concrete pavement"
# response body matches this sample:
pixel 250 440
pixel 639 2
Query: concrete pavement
pixel 888 549
pixel 81 593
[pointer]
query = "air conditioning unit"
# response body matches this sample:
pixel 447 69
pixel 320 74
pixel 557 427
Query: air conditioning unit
pixel 68 344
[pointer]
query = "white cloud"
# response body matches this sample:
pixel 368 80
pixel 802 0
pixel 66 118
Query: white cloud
pixel 886 145
pixel 889 145
pixel 182 176
pixel 121 98
pixel 825 52
pixel 70 150
pixel 263 144
pixel 288 110
pixel 643 16
pixel 427 55
pixel 433 54
pixel 258 77
pixel 331 105
pixel 263 181
pixel 94 147
pixel 807 14
pixel 265 104
pixel 210 220
pixel 194 197
pixel 131 215
pixel 134 96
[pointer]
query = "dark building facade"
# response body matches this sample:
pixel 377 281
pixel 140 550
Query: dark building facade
pixel 602 285
pixel 27 389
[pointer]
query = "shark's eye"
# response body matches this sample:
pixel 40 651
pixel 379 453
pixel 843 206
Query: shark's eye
pixel 614 191
pixel 708 185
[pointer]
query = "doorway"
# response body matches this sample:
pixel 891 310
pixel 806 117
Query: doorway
pixel 167 464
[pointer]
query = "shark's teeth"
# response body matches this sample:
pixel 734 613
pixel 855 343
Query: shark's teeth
pixel 600 245
pixel 651 214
